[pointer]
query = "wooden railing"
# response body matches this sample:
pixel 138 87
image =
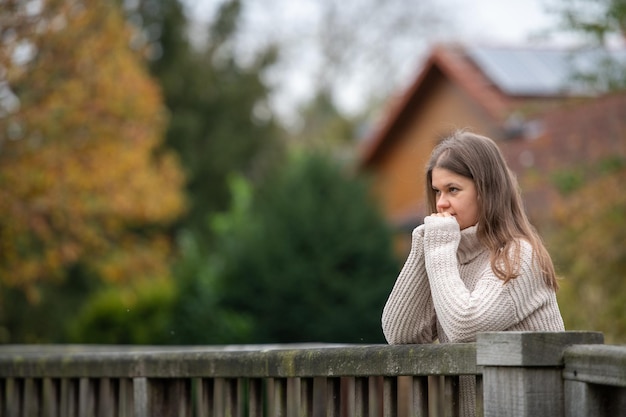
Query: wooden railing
pixel 517 374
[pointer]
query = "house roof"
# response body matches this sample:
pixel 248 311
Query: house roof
pixel 494 77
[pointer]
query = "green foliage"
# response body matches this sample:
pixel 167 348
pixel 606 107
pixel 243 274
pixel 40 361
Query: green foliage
pixel 128 315
pixel 568 180
pixel 198 316
pixel 310 259
pixel 589 252
pixel 45 321
pixel 220 121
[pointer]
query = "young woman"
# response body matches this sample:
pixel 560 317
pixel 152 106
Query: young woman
pixel 476 264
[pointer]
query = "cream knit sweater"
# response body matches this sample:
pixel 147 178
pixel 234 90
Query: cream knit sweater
pixel 447 291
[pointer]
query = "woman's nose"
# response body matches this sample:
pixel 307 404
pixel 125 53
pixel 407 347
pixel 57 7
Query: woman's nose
pixel 442 202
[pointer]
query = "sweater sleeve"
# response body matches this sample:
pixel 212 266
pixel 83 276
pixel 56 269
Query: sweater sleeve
pixel 409 315
pixel 461 313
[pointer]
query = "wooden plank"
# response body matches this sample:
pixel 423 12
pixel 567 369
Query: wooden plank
pixel 333 397
pixel 69 397
pixel 293 399
pixel 451 396
pixel 522 392
pixel 592 400
pixel 390 397
pixel 479 396
pixel 375 389
pixel 579 401
pixel 278 395
pixel 348 396
pixel 32 397
pixel 260 362
pixel 50 396
pixel 230 397
pixel 419 397
pixel 14 389
pixel 205 397
pixel 598 364
pixel 361 397
pixel 86 398
pixel 126 403
pixel 306 397
pixel 529 348
pixel 219 393
pixel 140 396
pixel 107 403
pixel 319 396
pixel 255 397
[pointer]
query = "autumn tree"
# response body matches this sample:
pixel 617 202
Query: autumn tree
pixel 589 250
pixel 81 184
pixel 586 233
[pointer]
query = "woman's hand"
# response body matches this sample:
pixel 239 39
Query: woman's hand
pixel 442 214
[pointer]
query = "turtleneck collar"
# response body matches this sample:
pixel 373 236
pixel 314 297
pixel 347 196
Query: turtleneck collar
pixel 469 246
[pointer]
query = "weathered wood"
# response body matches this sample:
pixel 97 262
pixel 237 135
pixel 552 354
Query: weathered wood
pixel 518 374
pixel 140 395
pixel 306 397
pixel 595 380
pixel 106 398
pixel 390 396
pixel 255 397
pixel 279 398
pixel 69 397
pixel 86 397
pixel 283 362
pixel 522 371
pixel 50 397
pixel 529 348
pixel 333 396
pixel 522 392
pixel 419 397
pixel 479 396
pixel 592 400
pixel 605 365
pixel 451 396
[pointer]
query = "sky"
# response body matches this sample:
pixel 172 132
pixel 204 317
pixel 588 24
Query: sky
pixel 510 21
pixel 498 23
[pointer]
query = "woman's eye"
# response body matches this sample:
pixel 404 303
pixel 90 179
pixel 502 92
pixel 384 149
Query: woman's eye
pixel 453 190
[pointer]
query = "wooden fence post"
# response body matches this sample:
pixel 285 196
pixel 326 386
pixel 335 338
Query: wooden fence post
pixel 522 371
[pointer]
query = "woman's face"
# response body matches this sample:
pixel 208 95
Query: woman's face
pixel 455 195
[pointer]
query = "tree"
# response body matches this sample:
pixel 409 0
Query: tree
pixel 306 257
pixel 358 51
pixel 587 234
pixel 220 120
pixel 589 251
pixel 602 26
pixel 598 20
pixel 82 186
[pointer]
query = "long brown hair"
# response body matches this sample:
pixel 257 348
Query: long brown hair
pixel 502 221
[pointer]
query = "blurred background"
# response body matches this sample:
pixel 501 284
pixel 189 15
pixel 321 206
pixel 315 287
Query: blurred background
pixel 209 172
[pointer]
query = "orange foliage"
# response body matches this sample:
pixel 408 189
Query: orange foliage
pixel 80 178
